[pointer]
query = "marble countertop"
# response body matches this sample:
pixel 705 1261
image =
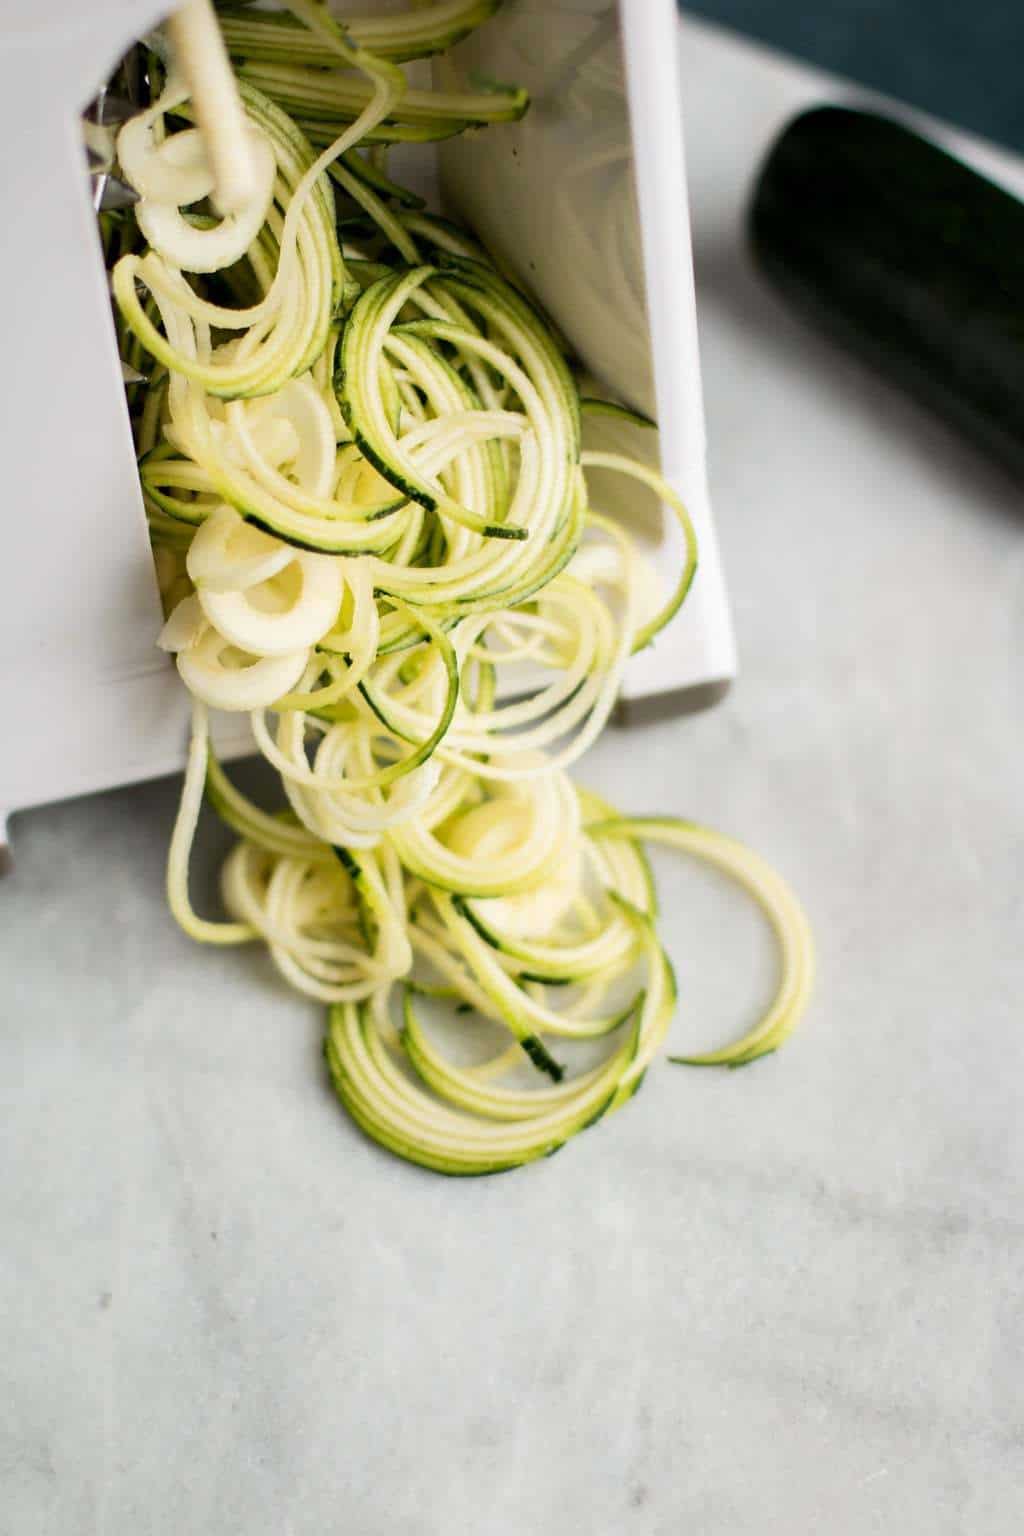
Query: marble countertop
pixel 786 1299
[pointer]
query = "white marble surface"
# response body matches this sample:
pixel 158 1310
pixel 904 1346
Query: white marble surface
pixel 782 1300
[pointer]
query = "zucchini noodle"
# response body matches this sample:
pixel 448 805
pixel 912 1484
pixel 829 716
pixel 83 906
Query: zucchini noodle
pixel 359 448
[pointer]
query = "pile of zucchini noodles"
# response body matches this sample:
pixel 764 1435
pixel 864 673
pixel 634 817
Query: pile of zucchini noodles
pixel 360 453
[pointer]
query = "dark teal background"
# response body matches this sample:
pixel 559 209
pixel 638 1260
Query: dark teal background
pixel 963 61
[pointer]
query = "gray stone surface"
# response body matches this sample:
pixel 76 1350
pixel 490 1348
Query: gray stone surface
pixel 785 1300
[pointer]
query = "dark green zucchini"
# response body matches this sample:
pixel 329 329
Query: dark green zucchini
pixel 910 258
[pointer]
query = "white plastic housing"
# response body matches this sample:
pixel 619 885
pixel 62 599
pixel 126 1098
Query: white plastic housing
pixel 88 702
pixel 585 202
